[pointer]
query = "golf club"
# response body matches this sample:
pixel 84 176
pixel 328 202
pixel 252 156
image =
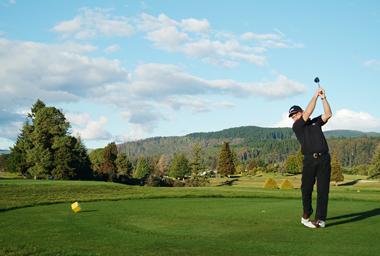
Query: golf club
pixel 316 80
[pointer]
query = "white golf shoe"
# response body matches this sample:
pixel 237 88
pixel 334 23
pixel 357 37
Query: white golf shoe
pixel 307 223
pixel 320 223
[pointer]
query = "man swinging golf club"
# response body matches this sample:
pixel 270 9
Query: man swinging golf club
pixel 316 157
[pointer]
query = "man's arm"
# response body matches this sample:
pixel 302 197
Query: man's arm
pixel 326 107
pixel 311 106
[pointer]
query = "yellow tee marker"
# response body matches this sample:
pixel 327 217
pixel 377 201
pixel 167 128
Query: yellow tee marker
pixel 286 184
pixel 270 183
pixel 75 207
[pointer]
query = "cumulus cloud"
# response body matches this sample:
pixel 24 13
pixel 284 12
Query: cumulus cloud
pixel 192 37
pixel 64 73
pixel 112 48
pixel 168 38
pixel 195 25
pixel 285 121
pixel 91 23
pixel 160 81
pixel 10 129
pixel 87 128
pixel 156 87
pixel 352 120
pixel 343 119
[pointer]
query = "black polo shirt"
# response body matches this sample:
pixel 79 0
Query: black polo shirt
pixel 310 135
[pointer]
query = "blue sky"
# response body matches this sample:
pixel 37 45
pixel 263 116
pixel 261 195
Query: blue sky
pixel 126 70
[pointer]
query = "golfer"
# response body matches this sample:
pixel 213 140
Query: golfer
pixel 316 158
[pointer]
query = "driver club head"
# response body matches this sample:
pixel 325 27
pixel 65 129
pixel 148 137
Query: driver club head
pixel 316 80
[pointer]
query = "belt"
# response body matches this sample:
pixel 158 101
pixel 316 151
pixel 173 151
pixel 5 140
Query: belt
pixel 316 155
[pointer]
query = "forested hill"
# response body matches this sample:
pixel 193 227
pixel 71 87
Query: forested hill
pixel 267 144
pixel 4 151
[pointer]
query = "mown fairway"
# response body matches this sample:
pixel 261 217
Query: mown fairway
pixel 180 221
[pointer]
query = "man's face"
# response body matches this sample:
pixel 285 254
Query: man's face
pixel 296 116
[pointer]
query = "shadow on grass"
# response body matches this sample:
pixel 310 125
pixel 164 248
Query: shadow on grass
pixel 353 217
pixel 87 211
pixel 227 182
pixel 349 183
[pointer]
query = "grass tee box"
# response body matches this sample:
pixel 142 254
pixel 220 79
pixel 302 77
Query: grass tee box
pixel 189 226
pixel 36 219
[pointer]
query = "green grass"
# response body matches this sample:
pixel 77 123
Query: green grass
pixel 192 226
pixel 243 219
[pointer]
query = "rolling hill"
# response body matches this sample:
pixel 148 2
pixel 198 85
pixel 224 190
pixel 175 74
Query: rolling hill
pixel 268 144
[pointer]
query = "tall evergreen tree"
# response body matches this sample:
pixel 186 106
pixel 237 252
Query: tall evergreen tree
pixel 180 167
pixel 226 162
pixel 123 165
pixel 336 170
pixel 82 161
pixel 36 106
pixel 163 165
pixel 375 169
pixel 97 158
pixel 17 160
pixel 45 148
pixel 108 167
pixel 142 169
pixel 197 163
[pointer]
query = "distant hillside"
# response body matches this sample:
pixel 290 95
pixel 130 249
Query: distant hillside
pixel 350 134
pixel 4 151
pixel 248 142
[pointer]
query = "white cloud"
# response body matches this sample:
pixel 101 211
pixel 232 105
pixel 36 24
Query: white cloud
pixel 167 38
pixel 253 36
pixel 343 119
pixel 196 39
pixel 195 25
pixel 64 73
pixel 190 36
pixel 10 130
pixel 158 81
pixel 87 128
pixel 90 23
pixel 285 121
pixel 112 48
pixel 351 120
pixel 68 27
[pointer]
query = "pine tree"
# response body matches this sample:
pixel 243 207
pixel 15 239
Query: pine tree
pixel 197 163
pixel 123 165
pixel 142 169
pixel 225 162
pixel 82 161
pixel 64 159
pixel 375 169
pixel 180 167
pixel 96 159
pixel 17 159
pixel 45 148
pixel 336 170
pixel 108 167
pixel 163 165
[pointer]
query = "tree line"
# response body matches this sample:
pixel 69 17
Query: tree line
pixel 46 149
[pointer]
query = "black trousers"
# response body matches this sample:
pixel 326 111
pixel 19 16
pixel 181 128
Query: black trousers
pixel 316 169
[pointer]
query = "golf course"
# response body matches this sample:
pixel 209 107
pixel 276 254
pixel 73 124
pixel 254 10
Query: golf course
pixel 240 219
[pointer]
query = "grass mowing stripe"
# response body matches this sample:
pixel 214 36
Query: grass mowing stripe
pixel 193 226
pixel 18 193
